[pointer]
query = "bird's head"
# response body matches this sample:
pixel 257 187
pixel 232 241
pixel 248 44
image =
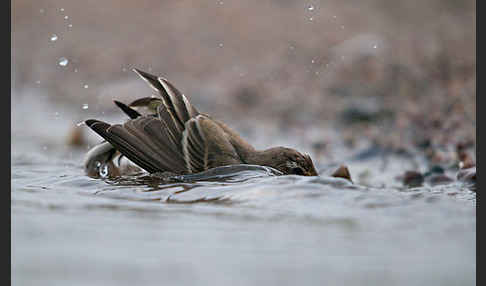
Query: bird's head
pixel 290 161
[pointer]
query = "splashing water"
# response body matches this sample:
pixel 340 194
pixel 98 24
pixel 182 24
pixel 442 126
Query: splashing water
pixel 63 61
pixel 104 171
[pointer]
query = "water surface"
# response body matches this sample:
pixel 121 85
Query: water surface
pixel 249 228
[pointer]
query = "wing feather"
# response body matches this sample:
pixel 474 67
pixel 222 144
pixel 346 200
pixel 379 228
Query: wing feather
pixel 194 146
pixel 132 113
pixel 122 145
pixel 176 103
pixel 169 139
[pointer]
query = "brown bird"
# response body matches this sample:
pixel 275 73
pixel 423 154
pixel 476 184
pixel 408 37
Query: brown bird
pixel 167 134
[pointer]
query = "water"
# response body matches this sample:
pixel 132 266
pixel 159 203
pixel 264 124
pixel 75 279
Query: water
pixel 252 227
pixel 63 61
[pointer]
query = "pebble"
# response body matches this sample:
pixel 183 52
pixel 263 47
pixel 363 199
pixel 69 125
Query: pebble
pixel 413 179
pixel 342 172
pixel 76 137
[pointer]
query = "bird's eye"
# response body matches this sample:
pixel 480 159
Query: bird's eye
pixel 297 171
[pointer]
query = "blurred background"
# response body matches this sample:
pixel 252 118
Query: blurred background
pixel 387 88
pixel 399 73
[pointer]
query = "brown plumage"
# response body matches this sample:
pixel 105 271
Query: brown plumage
pixel 168 134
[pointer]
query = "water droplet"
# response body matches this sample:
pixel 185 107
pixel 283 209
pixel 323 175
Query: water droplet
pixel 313 61
pixel 62 9
pixel 63 61
pixel 220 45
pixel 41 11
pixel 310 8
pixel 85 86
pixel 375 46
pixel 66 17
pixel 70 25
pixel 85 106
pixel 311 19
pixel 54 38
pixel 104 171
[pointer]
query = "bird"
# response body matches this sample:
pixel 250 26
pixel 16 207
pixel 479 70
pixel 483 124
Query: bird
pixel 166 133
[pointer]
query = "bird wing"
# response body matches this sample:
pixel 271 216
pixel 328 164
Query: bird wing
pixel 175 102
pixel 206 145
pixel 125 143
pixel 175 138
pixel 194 147
pixel 146 141
pixel 152 141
